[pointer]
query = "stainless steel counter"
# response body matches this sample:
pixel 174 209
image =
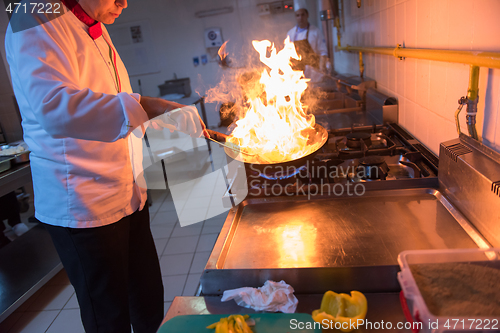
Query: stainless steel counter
pixel 349 242
pixel 366 231
pixel 381 306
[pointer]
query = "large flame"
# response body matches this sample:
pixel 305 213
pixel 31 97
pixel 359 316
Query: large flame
pixel 275 128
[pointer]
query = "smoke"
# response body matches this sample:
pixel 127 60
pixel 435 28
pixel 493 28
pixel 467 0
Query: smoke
pixel 311 98
pixel 238 84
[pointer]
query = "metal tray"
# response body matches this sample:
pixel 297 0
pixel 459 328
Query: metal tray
pixel 19 157
pixel 5 162
pixel 22 157
pixel 350 242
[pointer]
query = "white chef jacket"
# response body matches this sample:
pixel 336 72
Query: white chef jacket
pixel 317 42
pixel 75 123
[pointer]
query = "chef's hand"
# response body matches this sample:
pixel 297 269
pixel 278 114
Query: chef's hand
pixel 184 119
pixel 187 120
pixel 155 107
pixel 173 116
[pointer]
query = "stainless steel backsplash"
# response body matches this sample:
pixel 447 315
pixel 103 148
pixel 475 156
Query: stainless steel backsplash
pixel 469 175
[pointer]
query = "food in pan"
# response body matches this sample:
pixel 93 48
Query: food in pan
pixel 459 289
pixel 341 310
pixel 11 150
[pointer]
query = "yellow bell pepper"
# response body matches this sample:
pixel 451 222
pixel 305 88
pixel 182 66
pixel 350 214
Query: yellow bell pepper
pixel 341 310
pixel 232 324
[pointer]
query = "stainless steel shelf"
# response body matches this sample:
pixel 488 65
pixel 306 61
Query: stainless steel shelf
pixel 25 266
pixel 14 178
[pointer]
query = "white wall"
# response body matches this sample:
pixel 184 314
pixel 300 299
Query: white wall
pixel 427 91
pixel 178 37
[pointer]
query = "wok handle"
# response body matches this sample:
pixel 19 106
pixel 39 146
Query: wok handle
pixel 217 136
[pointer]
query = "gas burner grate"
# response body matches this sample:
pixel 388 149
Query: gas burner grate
pixel 428 155
pixel 375 155
pixel 401 131
pixel 372 144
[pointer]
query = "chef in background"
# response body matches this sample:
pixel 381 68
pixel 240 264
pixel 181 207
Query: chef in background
pixel 309 42
pixel 78 113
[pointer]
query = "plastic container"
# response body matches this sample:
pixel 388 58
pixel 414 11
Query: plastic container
pixel 413 303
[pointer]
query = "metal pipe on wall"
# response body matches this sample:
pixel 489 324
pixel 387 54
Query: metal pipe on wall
pixel 337 25
pixel 326 15
pixel 476 58
pixel 361 65
pixel 472 99
pixel 329 14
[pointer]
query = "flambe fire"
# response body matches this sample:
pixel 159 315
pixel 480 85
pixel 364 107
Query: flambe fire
pixel 275 127
pixel 223 60
pixel 222 51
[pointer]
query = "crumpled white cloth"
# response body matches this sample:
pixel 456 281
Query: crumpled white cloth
pixel 272 297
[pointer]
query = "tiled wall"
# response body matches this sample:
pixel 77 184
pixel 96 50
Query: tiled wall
pixel 427 91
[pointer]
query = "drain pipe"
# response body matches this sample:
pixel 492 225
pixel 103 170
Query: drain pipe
pixel 472 99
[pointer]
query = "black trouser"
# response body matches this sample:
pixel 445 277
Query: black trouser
pixel 115 272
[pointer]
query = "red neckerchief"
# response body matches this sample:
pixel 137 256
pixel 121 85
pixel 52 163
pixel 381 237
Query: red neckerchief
pixel 95 29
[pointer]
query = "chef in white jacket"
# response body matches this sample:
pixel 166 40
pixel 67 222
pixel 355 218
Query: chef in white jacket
pixel 78 112
pixel 309 42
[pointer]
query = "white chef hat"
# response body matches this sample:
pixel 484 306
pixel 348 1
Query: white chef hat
pixel 299 4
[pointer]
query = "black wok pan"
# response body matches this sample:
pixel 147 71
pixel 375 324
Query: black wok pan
pixel 273 168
